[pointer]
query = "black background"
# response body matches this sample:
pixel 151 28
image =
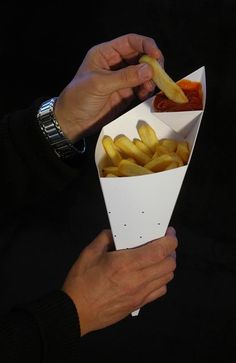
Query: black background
pixel 41 47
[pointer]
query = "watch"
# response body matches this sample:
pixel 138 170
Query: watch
pixel 50 127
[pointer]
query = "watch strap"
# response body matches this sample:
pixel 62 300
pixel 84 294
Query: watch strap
pixel 50 127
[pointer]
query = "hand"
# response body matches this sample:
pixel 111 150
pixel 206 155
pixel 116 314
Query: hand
pixel 105 84
pixel 106 286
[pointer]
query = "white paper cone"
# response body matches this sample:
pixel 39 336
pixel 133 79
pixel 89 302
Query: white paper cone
pixel 140 207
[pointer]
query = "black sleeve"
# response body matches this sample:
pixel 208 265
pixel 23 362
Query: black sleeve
pixel 29 168
pixel 46 330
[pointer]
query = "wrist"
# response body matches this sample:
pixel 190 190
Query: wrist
pixel 61 144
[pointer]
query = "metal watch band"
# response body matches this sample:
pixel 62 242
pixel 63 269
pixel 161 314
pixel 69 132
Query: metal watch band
pixel 62 146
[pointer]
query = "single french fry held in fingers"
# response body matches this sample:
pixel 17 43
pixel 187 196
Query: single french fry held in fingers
pixel 163 81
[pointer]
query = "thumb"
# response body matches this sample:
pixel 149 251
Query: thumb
pixel 131 76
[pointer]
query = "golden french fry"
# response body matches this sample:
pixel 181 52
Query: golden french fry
pixel 160 150
pixel 160 163
pixel 142 147
pixel 132 160
pixel 110 175
pixel 172 165
pixel 183 150
pixel 177 158
pixel 111 150
pixel 131 150
pixel 110 170
pixel 163 81
pixel 147 135
pixel 127 168
pixel 170 144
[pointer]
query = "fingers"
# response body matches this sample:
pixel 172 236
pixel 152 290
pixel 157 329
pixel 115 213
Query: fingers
pixel 133 44
pixel 145 90
pixel 128 77
pixel 158 270
pixel 150 291
pixel 153 252
pixel 154 295
pixel 171 231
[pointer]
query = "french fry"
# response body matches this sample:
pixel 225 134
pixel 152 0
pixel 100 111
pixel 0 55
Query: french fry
pixel 177 158
pixel 160 163
pixel 148 135
pixel 145 156
pixel 127 168
pixel 132 160
pixel 111 150
pixel 110 170
pixel 160 150
pixel 131 150
pixel 183 151
pixel 110 175
pixel 163 81
pixel 170 144
pixel 142 147
pixel 172 165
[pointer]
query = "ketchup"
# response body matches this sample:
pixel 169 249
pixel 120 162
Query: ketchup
pixel 192 90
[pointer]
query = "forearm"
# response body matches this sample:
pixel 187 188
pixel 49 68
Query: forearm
pixel 30 169
pixel 46 330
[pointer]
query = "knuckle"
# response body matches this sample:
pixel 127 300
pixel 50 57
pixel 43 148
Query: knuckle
pixel 175 241
pixel 171 263
pixel 87 251
pixel 125 76
pixel 170 276
pixel 135 302
pixel 163 290
pixel 93 50
pixel 160 252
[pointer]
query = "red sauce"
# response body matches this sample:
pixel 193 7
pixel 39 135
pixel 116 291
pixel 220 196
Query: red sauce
pixel 193 91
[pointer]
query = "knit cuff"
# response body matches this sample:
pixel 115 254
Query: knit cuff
pixel 58 322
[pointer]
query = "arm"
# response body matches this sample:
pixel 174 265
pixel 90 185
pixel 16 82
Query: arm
pixel 30 170
pixel 102 287
pixel 44 330
pixel 108 80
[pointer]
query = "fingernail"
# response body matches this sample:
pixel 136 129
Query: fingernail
pixel 171 231
pixel 145 72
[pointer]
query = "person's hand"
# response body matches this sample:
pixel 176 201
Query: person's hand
pixel 106 286
pixel 105 84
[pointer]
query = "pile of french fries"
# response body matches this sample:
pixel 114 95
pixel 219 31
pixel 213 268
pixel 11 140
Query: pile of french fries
pixel 145 155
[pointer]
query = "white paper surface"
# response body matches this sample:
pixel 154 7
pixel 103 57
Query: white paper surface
pixel 140 207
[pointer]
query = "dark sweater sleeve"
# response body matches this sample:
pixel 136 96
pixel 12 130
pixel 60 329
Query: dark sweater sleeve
pixel 46 330
pixel 29 168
